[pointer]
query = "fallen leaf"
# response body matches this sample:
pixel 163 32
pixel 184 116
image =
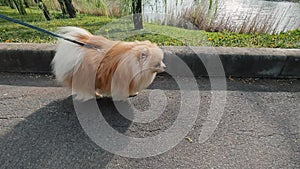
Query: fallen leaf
pixel 188 139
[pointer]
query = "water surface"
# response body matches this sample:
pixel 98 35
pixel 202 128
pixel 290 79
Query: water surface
pixel 286 14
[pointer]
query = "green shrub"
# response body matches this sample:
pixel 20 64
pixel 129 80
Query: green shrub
pixel 162 35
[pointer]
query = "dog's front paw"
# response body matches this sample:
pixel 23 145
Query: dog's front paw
pixel 98 95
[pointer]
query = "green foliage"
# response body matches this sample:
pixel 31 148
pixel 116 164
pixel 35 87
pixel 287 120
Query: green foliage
pixel 125 6
pixel 11 32
pixel 161 40
pixel 290 39
pixel 162 35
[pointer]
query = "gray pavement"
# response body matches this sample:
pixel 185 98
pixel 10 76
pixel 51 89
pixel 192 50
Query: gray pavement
pixel 260 127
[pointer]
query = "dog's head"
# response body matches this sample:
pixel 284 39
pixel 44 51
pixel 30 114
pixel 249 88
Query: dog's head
pixel 150 57
pixel 131 65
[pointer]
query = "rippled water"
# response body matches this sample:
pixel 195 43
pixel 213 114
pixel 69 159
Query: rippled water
pixel 286 14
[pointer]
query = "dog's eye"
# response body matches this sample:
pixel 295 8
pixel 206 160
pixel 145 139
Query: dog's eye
pixel 144 55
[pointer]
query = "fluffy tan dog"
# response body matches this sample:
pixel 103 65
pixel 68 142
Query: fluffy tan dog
pixel 109 68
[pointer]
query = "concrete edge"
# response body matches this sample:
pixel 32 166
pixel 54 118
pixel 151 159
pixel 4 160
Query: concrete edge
pixel 237 62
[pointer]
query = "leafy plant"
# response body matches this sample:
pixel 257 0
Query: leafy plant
pixel 160 34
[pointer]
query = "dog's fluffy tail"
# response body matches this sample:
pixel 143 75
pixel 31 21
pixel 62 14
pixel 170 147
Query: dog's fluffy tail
pixel 68 55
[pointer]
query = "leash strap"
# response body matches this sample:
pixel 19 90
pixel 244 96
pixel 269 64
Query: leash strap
pixel 45 31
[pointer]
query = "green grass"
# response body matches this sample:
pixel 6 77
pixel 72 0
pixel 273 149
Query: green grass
pixel 17 33
pixel 290 39
pixel 122 30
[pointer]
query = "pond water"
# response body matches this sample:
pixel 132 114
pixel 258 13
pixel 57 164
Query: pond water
pixel 286 14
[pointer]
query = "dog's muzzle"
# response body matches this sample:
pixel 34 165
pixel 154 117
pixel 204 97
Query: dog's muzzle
pixel 160 67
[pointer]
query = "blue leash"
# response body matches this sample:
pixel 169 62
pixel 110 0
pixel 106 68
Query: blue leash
pixel 45 31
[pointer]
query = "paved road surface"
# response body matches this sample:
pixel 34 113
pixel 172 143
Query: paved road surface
pixel 260 127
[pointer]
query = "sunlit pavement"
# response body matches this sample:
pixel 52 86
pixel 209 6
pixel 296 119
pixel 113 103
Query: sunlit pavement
pixel 260 127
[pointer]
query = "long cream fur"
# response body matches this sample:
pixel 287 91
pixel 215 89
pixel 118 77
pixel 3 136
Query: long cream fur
pixel 112 68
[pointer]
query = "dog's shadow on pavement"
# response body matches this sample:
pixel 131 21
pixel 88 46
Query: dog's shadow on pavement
pixel 52 138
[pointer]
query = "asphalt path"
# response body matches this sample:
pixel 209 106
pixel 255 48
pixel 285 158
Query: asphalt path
pixel 259 128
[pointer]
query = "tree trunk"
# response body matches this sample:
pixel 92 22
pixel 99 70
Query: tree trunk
pixel 70 8
pixel 137 14
pixel 10 4
pixel 20 7
pixel 46 12
pixel 26 3
pixel 43 7
pixel 62 7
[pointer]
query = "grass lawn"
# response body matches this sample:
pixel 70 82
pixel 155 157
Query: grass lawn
pixel 121 29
